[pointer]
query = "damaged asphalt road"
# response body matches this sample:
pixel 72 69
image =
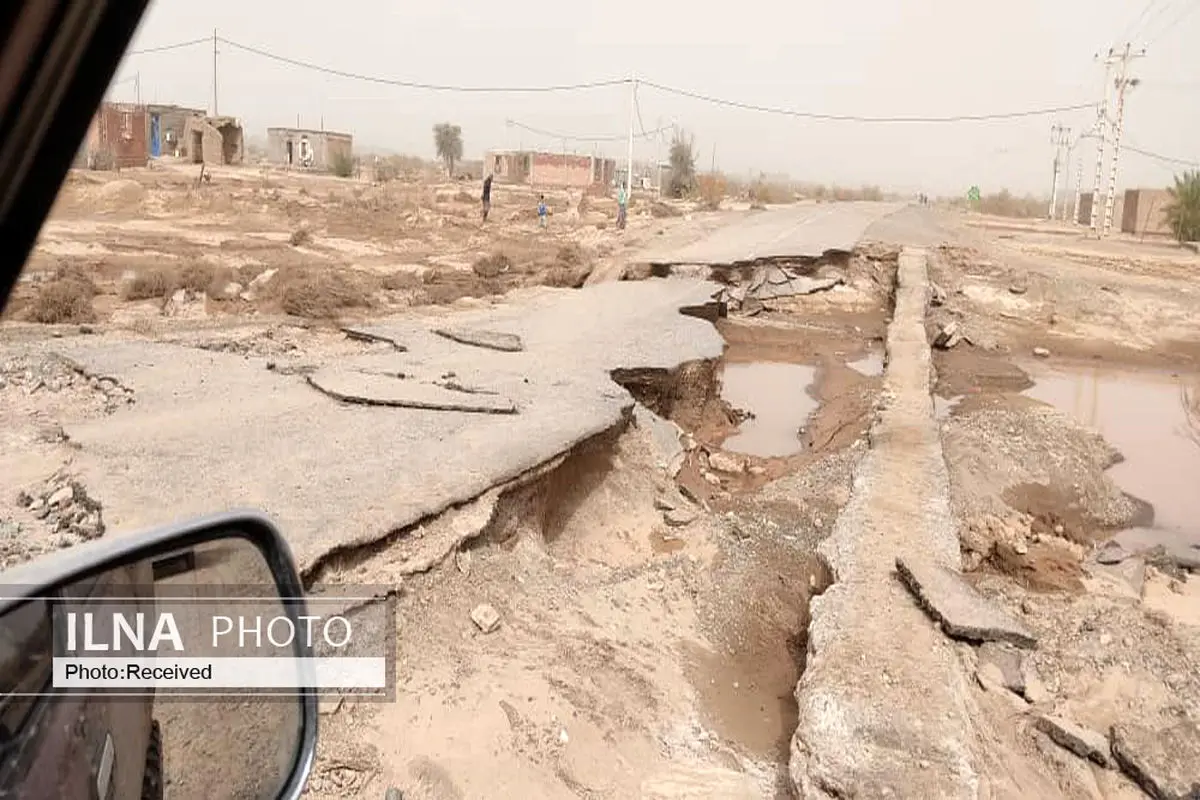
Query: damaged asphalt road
pixel 214 431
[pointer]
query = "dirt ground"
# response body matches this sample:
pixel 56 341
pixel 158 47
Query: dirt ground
pixel 652 600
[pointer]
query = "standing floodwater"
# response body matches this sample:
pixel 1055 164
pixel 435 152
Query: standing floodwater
pixel 777 395
pixel 1145 417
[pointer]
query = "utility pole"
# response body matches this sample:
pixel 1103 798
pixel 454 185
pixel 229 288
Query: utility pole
pixel 214 72
pixel 137 86
pixel 1078 184
pixel 1070 146
pixel 1123 83
pixel 1058 137
pixel 1102 130
pixel 629 157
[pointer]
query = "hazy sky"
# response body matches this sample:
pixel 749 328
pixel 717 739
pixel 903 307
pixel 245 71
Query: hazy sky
pixel 860 57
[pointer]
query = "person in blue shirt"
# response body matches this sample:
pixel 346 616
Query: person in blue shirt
pixel 622 202
pixel 543 211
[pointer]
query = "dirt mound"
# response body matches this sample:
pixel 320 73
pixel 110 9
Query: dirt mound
pixel 119 195
pixel 1005 454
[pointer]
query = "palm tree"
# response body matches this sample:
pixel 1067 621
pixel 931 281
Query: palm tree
pixel 1183 212
pixel 448 140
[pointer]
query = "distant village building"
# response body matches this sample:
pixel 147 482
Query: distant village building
pixel 307 149
pixel 550 169
pixel 116 138
pixel 167 126
pixel 214 140
pixel 1145 212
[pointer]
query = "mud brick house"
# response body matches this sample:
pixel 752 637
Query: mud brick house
pixel 550 169
pixel 167 126
pixel 213 140
pixel 307 149
pixel 117 138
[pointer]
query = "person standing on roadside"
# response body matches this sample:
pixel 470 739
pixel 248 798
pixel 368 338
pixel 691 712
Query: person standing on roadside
pixel 622 202
pixel 487 196
pixel 543 211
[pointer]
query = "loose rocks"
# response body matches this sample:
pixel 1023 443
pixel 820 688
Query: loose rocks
pixel 485 617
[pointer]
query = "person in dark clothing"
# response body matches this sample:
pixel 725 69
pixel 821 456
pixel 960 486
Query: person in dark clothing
pixel 487 196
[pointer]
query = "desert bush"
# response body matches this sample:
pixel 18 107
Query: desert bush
pixel 317 294
pixel 63 300
pixel 565 276
pixel 147 285
pixel 300 236
pixel 400 280
pixel 762 192
pixel 571 255
pixel 710 191
pixel 492 265
pixel 197 276
pixel 343 164
pixel 660 210
pixel 1005 204
pixel 683 165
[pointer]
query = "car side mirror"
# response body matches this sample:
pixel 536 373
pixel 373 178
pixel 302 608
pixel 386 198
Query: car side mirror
pixel 132 663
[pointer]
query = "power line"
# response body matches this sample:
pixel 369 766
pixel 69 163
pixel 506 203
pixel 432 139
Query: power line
pixel 164 48
pixel 409 84
pixel 435 87
pixel 1160 157
pixel 1185 11
pixel 1037 112
pixel 586 139
pixel 1132 29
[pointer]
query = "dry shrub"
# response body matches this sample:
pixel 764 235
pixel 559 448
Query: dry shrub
pixel 571 255
pixel 195 277
pixel 444 287
pixel 400 280
pixel 1005 204
pixel 762 193
pixel 565 276
pixel 322 295
pixel 491 266
pixel 661 210
pixel 710 190
pixel 147 285
pixel 63 300
pixel 463 197
pixel 300 236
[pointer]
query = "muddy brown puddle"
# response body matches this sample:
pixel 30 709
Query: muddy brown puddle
pixel 1144 416
pixel 777 395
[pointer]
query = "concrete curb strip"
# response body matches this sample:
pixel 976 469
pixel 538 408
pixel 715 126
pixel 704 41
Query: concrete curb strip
pixel 883 700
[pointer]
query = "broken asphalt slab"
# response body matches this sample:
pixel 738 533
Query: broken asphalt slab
pixel 962 612
pixel 494 340
pixel 794 231
pixel 214 431
pixel 353 386
pixel 1164 763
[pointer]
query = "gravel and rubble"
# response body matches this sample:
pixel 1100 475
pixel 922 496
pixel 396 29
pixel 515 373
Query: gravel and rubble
pixel 54 514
